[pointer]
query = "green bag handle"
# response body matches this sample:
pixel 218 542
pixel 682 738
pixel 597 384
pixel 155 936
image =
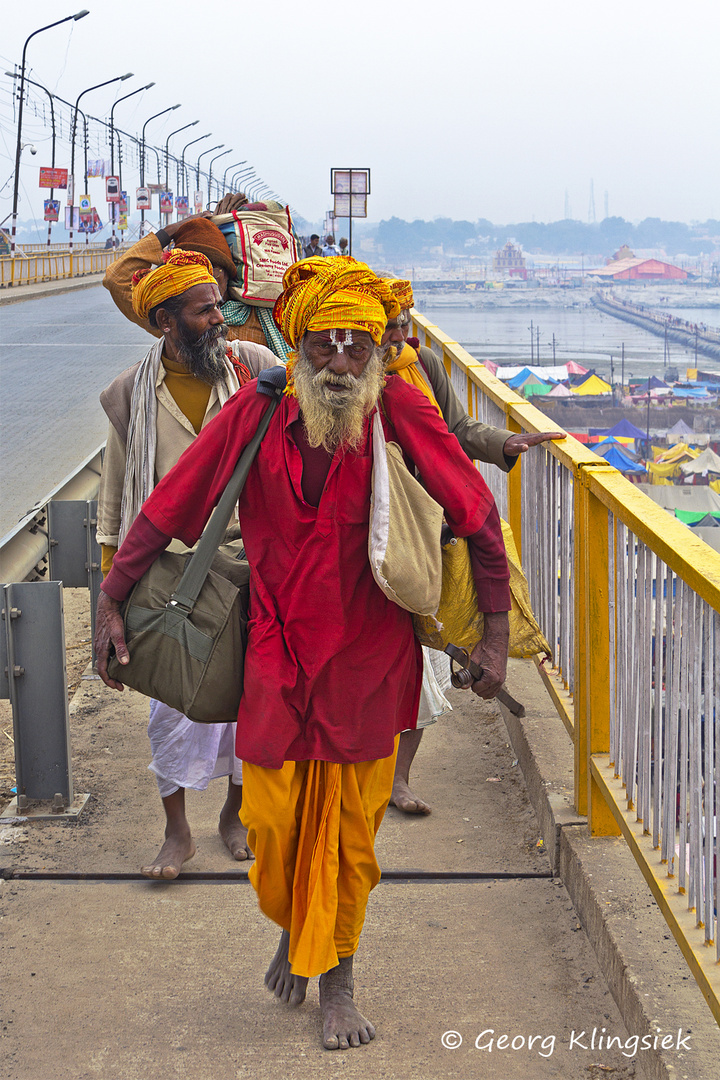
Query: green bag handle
pixel 272 383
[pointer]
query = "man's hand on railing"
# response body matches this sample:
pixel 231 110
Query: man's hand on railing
pixel 518 444
pixel 491 654
pixel 109 631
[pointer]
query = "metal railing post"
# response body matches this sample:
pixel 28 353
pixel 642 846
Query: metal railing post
pixel 592 710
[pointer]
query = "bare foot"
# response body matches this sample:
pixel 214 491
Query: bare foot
pixel 234 833
pixel 343 1024
pixel 403 798
pixel 279 978
pixel 177 849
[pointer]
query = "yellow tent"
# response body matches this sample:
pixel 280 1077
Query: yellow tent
pixel 592 385
pixel 676 454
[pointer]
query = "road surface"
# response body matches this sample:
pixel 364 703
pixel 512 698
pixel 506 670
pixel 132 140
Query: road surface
pixel 56 354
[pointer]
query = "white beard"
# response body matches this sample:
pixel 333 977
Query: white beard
pixel 334 418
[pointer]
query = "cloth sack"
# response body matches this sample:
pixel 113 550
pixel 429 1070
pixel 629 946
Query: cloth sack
pixel 404 534
pixel 186 619
pixel 263 246
pixel 458 621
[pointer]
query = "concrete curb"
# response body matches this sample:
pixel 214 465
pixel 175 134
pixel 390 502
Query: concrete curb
pixel 18 293
pixel 644 968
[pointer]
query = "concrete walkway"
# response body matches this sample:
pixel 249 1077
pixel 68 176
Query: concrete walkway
pixel 117 978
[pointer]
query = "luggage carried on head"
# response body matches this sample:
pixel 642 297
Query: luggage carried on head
pixel 264 245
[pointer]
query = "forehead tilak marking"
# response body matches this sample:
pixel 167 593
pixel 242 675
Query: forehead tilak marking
pixel 340 345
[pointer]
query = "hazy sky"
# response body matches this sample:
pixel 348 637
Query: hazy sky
pixel 465 108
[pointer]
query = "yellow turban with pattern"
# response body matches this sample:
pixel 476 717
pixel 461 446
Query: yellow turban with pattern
pixel 179 271
pixel 402 291
pixel 335 293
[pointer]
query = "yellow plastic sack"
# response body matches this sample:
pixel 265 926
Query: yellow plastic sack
pixel 459 621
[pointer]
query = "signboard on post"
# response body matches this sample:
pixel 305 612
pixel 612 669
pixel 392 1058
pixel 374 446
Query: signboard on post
pixel 52 178
pixel 72 218
pixel 199 201
pixel 123 203
pixel 52 209
pixel 143 198
pixel 166 202
pixel 71 191
pixel 112 189
pixel 123 220
pixel 85 205
pixel 350 188
pixel 182 206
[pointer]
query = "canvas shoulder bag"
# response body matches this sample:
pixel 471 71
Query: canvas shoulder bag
pixel 404 534
pixel 186 619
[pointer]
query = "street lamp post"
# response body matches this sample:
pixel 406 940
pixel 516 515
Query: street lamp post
pixel 197 170
pixel 118 78
pixel 162 112
pixel 167 144
pixel 167 154
pixel 112 139
pixel 224 189
pixel 14 75
pixel 18 149
pixel 212 162
pixel 182 158
pixel 239 175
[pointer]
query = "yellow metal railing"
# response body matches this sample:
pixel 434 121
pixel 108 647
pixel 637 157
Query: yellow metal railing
pixel 34 268
pixel 619 547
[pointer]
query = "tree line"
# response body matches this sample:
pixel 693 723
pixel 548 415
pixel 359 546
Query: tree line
pixel 396 237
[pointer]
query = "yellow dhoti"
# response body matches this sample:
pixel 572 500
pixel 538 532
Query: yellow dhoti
pixel 312 828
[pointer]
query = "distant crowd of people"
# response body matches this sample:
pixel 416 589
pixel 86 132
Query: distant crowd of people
pixel 326 249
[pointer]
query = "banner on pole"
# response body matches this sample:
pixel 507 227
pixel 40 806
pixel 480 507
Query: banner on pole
pixel 112 189
pixel 182 205
pixel 143 198
pixel 199 201
pixel 166 202
pixel 53 178
pixel 52 209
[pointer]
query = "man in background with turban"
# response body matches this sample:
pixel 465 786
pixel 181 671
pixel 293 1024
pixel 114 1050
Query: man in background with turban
pixel 332 667
pixel 156 408
pixel 420 367
pixel 194 233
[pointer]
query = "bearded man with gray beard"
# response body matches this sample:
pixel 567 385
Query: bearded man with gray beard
pixel 156 409
pixel 332 670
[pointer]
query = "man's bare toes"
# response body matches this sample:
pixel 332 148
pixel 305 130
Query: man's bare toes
pixel 169 862
pixel 404 799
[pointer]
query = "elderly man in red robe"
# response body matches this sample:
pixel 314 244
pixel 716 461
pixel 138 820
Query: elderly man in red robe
pixel 332 669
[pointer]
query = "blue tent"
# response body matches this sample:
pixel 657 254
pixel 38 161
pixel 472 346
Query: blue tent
pixel 620 461
pixel 626 430
pixel 519 379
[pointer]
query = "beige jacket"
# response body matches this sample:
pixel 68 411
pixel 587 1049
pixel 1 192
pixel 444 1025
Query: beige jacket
pixel 174 433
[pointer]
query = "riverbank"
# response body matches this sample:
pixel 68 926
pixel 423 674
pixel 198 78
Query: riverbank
pixel 663 296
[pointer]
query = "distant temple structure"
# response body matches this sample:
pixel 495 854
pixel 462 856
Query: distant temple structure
pixel 509 260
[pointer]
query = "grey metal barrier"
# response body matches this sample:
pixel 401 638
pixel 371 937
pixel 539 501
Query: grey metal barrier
pixel 53 547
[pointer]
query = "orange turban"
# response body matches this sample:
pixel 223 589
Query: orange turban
pixel 180 270
pixel 402 291
pixel 335 293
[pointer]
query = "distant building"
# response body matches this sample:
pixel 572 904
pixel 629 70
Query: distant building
pixel 638 270
pixel 509 260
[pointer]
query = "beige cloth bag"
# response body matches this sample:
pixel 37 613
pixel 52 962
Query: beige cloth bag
pixel 264 246
pixel 404 537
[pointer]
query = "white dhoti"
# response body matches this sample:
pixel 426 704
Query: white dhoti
pixel 435 681
pixel 189 755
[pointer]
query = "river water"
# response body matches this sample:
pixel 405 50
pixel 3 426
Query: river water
pixel 582 333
